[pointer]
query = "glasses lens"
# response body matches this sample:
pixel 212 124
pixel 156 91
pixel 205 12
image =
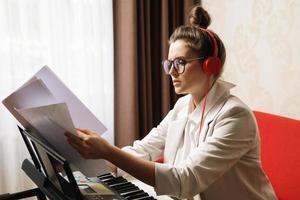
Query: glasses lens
pixel 179 65
pixel 167 66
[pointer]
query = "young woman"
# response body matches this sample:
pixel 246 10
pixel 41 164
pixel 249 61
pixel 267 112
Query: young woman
pixel 209 140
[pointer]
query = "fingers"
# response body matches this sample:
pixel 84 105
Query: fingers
pixel 71 135
pixel 85 131
pixel 81 134
pixel 78 144
pixel 79 149
pixel 85 143
pixel 74 139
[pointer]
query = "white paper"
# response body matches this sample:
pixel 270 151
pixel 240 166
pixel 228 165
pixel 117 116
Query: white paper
pixel 44 89
pixel 29 95
pixel 82 117
pixel 51 122
pixel 56 113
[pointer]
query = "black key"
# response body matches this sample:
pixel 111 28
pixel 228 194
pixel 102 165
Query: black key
pixel 142 194
pixel 116 185
pixel 107 179
pixel 126 194
pixel 128 189
pixel 105 175
pixel 115 180
pixel 122 185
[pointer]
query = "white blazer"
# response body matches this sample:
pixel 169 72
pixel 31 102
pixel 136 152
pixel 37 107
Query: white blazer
pixel 226 163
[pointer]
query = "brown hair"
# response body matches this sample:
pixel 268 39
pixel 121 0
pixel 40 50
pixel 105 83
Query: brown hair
pixel 198 39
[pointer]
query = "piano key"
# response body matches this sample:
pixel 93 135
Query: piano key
pixel 122 185
pixel 107 179
pixel 135 196
pixel 116 185
pixel 105 175
pixel 125 194
pixel 115 180
pixel 133 193
pixel 127 189
pixel 124 188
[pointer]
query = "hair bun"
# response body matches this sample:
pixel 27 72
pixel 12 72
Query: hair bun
pixel 199 17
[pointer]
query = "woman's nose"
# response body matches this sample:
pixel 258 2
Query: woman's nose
pixel 173 72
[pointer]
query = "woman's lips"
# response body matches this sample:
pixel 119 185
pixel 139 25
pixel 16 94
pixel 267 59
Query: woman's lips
pixel 176 83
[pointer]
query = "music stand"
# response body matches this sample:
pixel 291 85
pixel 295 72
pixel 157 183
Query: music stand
pixel 32 192
pixel 51 173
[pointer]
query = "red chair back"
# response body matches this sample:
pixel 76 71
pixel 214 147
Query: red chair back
pixel 280 153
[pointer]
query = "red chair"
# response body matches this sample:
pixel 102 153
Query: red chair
pixel 280 153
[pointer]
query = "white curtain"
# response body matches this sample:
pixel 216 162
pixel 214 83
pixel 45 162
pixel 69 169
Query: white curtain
pixel 75 39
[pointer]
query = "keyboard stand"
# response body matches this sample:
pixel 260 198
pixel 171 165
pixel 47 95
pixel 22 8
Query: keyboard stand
pixel 42 182
pixel 24 194
pixel 45 187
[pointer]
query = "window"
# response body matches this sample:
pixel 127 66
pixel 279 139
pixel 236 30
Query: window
pixel 75 39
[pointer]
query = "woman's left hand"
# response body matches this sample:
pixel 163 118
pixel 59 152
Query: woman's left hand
pixel 88 144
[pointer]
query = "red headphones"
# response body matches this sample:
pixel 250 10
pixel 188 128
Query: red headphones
pixel 212 65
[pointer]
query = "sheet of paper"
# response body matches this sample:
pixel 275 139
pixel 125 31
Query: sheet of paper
pixel 29 95
pixel 51 122
pixel 82 117
pixel 43 89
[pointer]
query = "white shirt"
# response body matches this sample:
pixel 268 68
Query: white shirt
pixel 191 135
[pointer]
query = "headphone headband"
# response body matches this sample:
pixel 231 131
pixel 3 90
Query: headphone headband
pixel 212 65
pixel 212 37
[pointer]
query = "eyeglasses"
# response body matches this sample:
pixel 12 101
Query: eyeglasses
pixel 177 63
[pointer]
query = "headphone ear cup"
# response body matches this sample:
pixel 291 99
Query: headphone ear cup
pixel 212 66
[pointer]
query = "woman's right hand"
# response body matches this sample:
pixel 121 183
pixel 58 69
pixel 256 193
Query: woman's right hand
pixel 89 144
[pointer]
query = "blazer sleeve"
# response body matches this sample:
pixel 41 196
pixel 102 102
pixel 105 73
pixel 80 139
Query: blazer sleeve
pixel 151 147
pixel 233 135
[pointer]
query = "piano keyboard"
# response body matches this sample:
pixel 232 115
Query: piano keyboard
pixel 124 188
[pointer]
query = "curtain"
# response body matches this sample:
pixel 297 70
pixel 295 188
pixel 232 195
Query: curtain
pixel 143 94
pixel 75 39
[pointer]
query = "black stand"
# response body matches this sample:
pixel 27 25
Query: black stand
pixel 33 171
pixel 45 188
pixel 24 194
pixel 42 182
pixel 37 192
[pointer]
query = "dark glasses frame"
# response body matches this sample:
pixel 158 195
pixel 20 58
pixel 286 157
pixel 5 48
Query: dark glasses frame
pixel 175 63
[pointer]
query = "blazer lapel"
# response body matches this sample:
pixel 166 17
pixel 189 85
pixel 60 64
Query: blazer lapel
pixel 217 101
pixel 175 134
pixel 216 97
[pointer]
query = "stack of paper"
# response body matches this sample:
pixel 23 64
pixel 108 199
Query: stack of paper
pixel 47 108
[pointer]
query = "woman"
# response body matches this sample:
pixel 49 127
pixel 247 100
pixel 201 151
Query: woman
pixel 209 140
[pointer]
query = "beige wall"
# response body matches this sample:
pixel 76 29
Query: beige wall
pixel 262 38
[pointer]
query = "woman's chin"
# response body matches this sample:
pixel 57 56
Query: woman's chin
pixel 179 90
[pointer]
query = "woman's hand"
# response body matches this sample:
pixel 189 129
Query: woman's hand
pixel 88 144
